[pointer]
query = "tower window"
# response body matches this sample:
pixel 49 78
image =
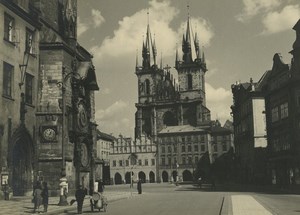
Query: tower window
pixel 147 87
pixel 190 81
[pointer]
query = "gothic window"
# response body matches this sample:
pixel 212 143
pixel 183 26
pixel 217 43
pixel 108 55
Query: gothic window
pixel 190 81
pixel 147 87
pixel 152 162
pixel 7 79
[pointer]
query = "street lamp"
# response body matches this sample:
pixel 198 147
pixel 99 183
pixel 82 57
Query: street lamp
pixel 65 77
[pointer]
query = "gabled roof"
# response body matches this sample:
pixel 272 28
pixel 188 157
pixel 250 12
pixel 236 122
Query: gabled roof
pixel 181 129
pixel 104 136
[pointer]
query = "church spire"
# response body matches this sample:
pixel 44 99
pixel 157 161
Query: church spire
pixel 186 43
pixel 149 48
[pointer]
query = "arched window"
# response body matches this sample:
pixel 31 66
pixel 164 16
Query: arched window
pixel 147 87
pixel 190 81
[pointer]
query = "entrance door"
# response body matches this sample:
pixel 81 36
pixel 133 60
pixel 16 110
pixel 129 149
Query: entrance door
pixel 22 169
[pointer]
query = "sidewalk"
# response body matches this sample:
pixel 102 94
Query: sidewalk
pixel 23 205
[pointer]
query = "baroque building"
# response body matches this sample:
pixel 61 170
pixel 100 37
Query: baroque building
pixel 49 129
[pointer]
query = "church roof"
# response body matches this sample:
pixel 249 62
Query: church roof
pixel 181 129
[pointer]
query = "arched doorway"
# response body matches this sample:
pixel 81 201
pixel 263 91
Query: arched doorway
pixel 174 175
pixel 151 177
pixel 127 178
pixel 187 175
pixel 165 176
pixel 118 178
pixel 142 176
pixel 21 162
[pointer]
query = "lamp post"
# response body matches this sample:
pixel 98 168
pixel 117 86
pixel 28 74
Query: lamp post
pixel 63 180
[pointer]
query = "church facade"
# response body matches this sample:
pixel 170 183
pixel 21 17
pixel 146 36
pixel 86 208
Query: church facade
pixel 163 102
pixel 173 112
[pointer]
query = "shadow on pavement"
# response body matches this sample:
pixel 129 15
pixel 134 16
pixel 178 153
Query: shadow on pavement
pixel 238 188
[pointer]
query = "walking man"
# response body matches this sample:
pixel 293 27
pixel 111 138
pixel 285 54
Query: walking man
pixel 79 195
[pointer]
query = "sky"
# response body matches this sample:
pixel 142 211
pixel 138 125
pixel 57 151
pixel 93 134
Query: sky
pixel 239 38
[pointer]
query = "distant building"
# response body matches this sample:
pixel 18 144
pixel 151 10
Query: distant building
pixel 102 158
pixel 248 111
pixel 136 158
pixel 180 149
pixel 221 140
pixel 173 113
pixel 163 102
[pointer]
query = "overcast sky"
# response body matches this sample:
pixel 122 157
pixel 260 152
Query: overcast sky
pixel 239 37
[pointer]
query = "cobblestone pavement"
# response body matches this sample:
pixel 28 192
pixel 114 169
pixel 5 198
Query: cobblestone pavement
pixel 23 205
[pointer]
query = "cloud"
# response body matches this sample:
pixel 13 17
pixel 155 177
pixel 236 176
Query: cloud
pixel 132 29
pixel 276 22
pixel 98 19
pixel 202 27
pixel 254 7
pixel 105 91
pixel 111 111
pixel 81 27
pixel 219 102
pixel 114 119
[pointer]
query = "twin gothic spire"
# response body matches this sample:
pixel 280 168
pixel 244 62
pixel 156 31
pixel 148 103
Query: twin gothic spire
pixel 190 48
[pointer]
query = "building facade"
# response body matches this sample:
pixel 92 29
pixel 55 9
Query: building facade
pixel 282 96
pixel 48 105
pixel 250 140
pixel 180 149
pixel 102 158
pixel 19 63
pixel 136 158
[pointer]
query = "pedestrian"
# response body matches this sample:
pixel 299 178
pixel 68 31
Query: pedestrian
pixel 139 186
pixel 79 195
pixel 100 186
pixel 37 197
pixel 200 182
pixel 213 184
pixel 45 196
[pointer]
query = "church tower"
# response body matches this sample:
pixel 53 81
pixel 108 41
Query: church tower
pixel 161 101
pixel 192 68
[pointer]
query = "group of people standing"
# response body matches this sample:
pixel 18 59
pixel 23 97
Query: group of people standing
pixel 40 196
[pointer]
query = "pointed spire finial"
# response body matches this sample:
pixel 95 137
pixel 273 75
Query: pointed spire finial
pixel 203 57
pixel 161 62
pixel 137 60
pixel 188 9
pixel 148 16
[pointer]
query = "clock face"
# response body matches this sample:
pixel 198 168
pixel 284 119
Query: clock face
pixel 49 134
pixel 84 155
pixel 82 117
